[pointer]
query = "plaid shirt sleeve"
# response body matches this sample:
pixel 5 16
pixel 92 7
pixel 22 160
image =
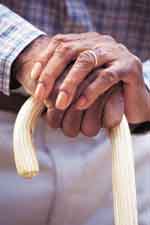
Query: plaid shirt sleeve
pixel 146 73
pixel 15 34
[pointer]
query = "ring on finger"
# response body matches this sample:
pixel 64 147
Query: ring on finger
pixel 93 54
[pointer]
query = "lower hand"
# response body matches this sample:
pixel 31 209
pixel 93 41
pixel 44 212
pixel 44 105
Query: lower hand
pixel 102 113
pixel 87 122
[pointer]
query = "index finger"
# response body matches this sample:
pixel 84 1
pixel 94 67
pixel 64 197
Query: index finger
pixel 106 79
pixel 85 63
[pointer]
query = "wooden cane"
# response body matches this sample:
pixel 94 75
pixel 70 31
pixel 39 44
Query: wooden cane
pixel 123 176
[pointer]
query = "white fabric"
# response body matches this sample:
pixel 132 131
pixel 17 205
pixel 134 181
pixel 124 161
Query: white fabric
pixel 74 185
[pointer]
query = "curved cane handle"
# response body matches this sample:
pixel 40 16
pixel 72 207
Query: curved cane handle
pixel 24 150
pixel 123 177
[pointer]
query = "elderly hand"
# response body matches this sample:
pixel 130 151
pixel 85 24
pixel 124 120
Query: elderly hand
pixel 102 113
pixel 114 64
pixel 71 121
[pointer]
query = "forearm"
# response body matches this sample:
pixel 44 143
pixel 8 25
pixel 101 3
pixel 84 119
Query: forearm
pixel 23 65
pixel 15 35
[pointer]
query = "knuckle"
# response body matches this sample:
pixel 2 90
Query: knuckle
pixel 132 63
pixel 108 38
pixel 58 37
pixel 136 65
pixel 63 49
pixel 47 78
pixel 45 75
pixel 109 77
pixel 69 84
pixel 41 60
pixel 85 60
pixel 121 47
pixel 112 76
pixel 134 69
pixel 90 94
pixel 66 47
pixel 95 34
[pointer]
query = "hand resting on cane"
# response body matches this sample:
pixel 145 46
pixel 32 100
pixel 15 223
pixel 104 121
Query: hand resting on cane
pixel 118 64
pixel 90 51
pixel 88 121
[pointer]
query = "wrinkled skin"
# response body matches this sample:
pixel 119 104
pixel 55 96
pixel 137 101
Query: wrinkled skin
pixel 71 120
pixel 85 97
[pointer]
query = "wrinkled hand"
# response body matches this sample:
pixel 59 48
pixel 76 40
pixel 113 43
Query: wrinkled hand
pixel 117 65
pixel 102 113
pixel 72 121
pixel 22 67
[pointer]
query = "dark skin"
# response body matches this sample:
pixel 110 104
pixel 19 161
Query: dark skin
pixel 87 121
pixel 104 98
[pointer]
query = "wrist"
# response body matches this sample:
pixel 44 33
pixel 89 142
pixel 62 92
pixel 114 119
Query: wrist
pixel 29 54
pixel 137 106
pixel 26 59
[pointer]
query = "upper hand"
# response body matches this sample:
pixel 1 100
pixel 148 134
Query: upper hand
pixel 117 64
pixel 106 111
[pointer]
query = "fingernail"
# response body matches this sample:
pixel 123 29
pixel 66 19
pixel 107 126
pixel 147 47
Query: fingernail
pixel 81 102
pixel 40 92
pixel 36 71
pixel 62 100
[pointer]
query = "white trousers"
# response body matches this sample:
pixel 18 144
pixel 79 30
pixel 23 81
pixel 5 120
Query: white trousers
pixel 74 185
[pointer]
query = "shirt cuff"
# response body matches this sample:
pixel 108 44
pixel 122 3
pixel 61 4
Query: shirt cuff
pixel 15 35
pixel 146 73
